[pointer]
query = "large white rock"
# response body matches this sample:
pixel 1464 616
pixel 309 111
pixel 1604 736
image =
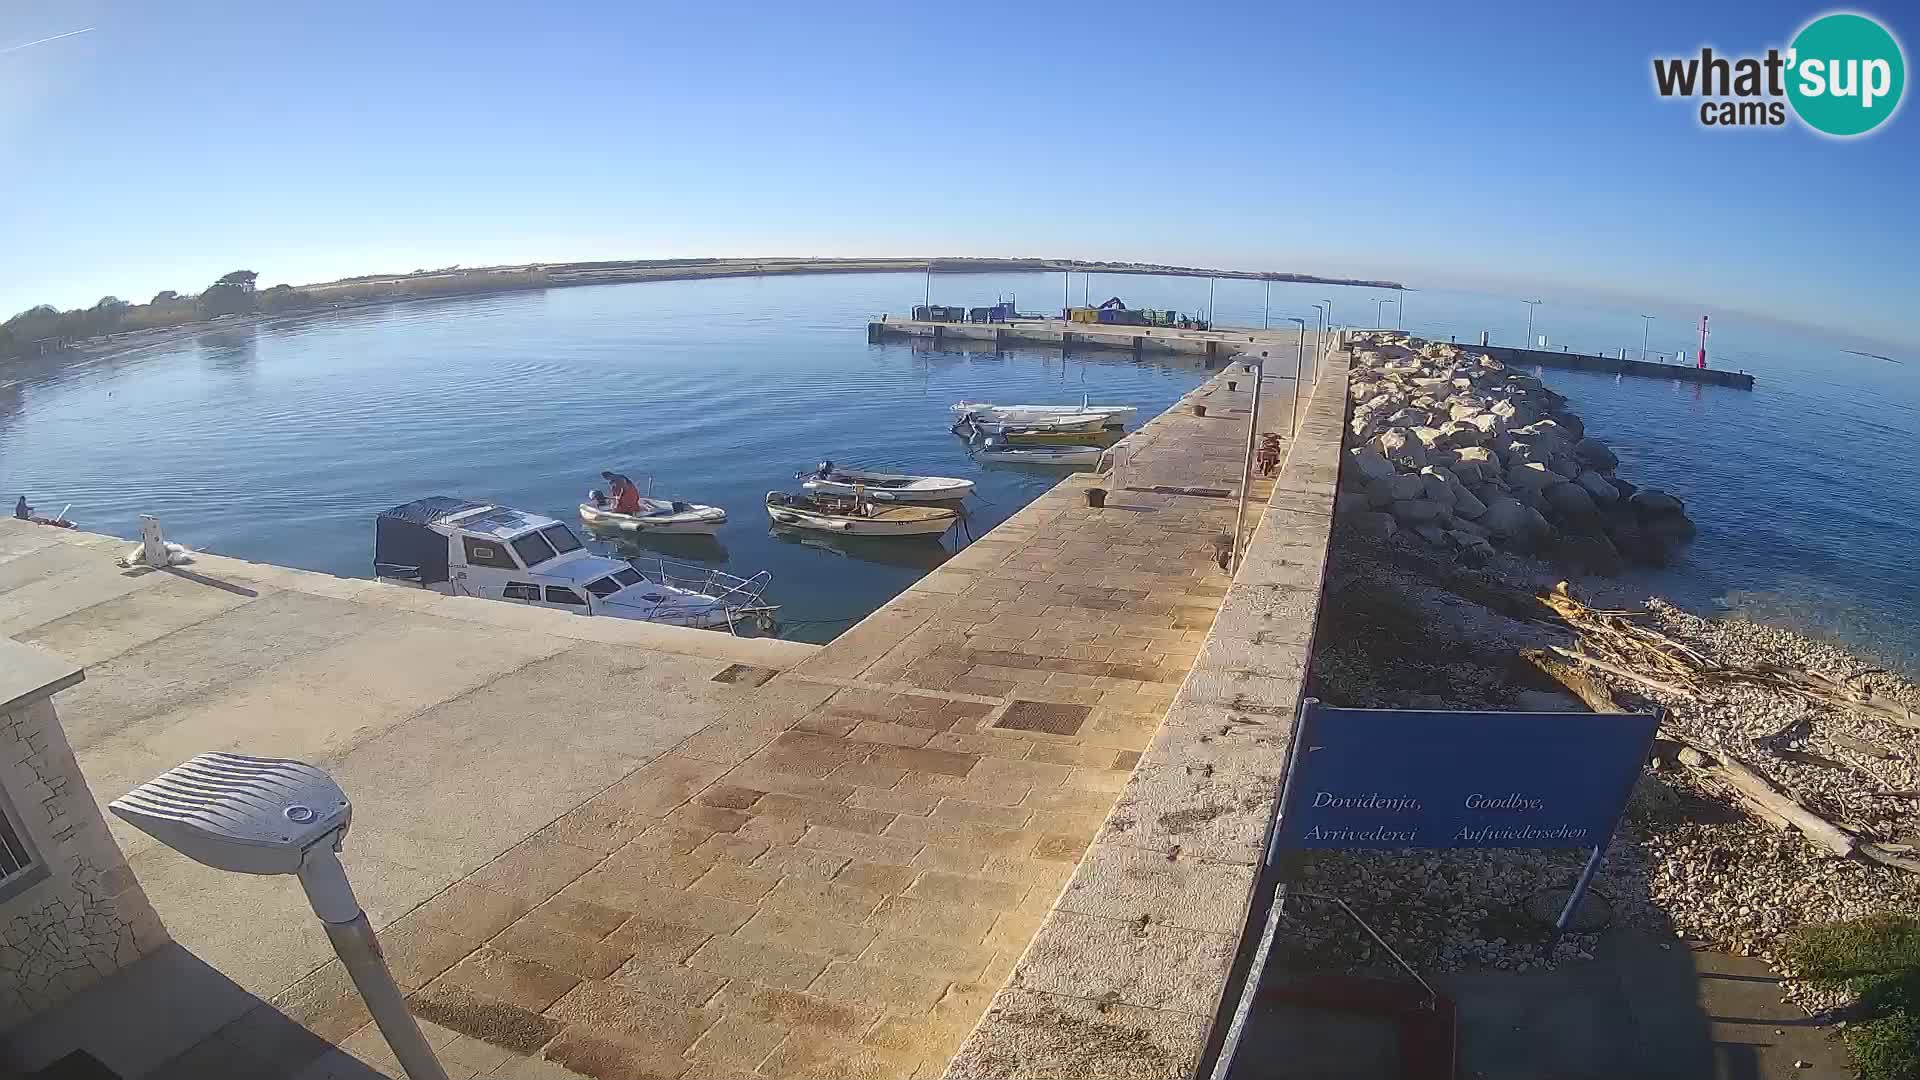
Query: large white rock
pixel 1599 487
pixel 1478 455
pixel 1417 511
pixel 1400 447
pixel 1429 437
pixel 1409 417
pixel 1455 434
pixel 1434 487
pixel 1408 486
pixel 1368 463
pixel 1594 454
pixel 1532 476
pixel 1571 501
pixel 1507 519
pixel 1515 413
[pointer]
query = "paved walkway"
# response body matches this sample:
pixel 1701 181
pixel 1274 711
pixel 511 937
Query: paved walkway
pixel 457 726
pixel 834 878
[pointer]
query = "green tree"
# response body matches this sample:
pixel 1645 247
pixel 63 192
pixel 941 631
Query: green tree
pixel 165 298
pixel 240 279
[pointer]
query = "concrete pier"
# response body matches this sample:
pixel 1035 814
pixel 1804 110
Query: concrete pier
pixel 1216 344
pixel 1616 365
pixel 679 854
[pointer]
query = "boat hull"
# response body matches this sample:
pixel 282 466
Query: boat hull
pixel 699 520
pixel 1043 455
pixel 942 489
pixel 1014 414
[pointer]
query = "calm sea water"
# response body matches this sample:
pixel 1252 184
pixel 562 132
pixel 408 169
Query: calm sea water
pixel 281 442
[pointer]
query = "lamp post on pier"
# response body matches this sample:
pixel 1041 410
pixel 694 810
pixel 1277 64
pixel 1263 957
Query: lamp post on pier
pixel 1267 314
pixel 1646 328
pixel 1378 306
pixel 1300 353
pixel 1531 304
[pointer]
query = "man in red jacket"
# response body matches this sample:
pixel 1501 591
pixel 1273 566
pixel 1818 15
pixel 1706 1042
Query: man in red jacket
pixel 626 497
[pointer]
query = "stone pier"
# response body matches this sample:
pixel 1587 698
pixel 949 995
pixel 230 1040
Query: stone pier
pixel 1000 796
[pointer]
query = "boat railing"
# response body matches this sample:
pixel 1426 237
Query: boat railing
pixel 736 595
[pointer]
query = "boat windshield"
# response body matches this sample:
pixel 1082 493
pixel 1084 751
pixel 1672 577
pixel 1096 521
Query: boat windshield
pixel 537 547
pixel 605 586
pixel 628 577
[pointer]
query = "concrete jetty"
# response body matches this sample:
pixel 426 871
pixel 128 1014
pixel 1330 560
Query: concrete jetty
pixel 605 849
pixel 1215 344
pixel 1615 365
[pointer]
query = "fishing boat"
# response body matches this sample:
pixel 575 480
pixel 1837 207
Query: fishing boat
pixel 1115 414
pixel 1066 423
pixel 995 450
pixel 656 515
pixel 457 547
pixel 850 517
pixel 831 479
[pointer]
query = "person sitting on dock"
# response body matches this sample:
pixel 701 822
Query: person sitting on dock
pixel 626 497
pixel 22 511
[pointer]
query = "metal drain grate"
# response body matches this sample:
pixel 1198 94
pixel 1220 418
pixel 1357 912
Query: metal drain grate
pixel 1044 716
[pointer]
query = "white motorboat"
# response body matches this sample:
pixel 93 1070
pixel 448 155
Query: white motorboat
pixel 995 450
pixel 831 479
pixel 461 548
pixel 1015 414
pixel 1082 423
pixel 656 515
pixel 849 517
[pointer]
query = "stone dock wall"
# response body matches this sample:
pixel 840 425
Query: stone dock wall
pixel 1127 975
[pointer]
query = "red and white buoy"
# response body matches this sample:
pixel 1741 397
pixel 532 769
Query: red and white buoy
pixel 1703 343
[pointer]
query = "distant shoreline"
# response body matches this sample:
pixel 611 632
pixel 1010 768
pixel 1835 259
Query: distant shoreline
pixel 473 281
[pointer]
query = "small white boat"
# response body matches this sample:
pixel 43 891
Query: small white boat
pixel 846 517
pixel 1115 414
pixel 831 479
pixel 1082 423
pixel 657 516
pixel 994 450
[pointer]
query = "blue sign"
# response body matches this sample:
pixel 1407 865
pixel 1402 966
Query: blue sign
pixel 1381 778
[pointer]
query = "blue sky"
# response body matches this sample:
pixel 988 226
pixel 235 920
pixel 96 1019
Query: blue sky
pixel 1513 147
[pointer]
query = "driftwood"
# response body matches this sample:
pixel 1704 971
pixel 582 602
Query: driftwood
pixel 1588 689
pixel 1611 644
pixel 1627 673
pixel 1860 746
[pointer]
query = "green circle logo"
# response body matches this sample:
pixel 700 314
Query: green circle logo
pixel 1846 74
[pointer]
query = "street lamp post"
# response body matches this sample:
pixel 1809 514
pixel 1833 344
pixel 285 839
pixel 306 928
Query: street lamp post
pixel 1246 467
pixel 1378 318
pixel 1645 329
pixel 1531 304
pixel 926 298
pixel 1400 309
pixel 1066 296
pixel 1329 313
pixel 1210 283
pixel 1300 353
pixel 1267 314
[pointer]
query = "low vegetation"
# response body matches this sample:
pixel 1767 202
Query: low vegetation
pixel 1875 962
pixel 46 329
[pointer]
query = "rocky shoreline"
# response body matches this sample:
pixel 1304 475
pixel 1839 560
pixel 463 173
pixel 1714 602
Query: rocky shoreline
pixel 1430 603
pixel 1469 454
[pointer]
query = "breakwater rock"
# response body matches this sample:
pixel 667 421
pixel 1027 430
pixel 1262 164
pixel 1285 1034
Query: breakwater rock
pixel 1466 453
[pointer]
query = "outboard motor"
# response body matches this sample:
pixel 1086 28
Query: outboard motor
pixel 596 497
pixel 826 469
